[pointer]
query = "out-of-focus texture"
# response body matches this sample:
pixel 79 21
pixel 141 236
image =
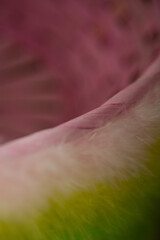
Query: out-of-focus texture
pixel 95 177
pixel 60 59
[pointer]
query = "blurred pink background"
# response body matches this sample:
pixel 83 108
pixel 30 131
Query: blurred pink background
pixel 62 58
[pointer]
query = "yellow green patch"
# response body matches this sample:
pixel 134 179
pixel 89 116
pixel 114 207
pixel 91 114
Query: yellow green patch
pixel 128 210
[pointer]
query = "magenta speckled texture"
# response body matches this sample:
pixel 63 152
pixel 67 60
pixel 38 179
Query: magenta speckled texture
pixel 91 48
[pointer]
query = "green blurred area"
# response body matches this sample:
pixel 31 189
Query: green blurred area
pixel 128 210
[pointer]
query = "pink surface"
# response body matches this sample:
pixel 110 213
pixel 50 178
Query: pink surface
pixel 78 127
pixel 89 50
